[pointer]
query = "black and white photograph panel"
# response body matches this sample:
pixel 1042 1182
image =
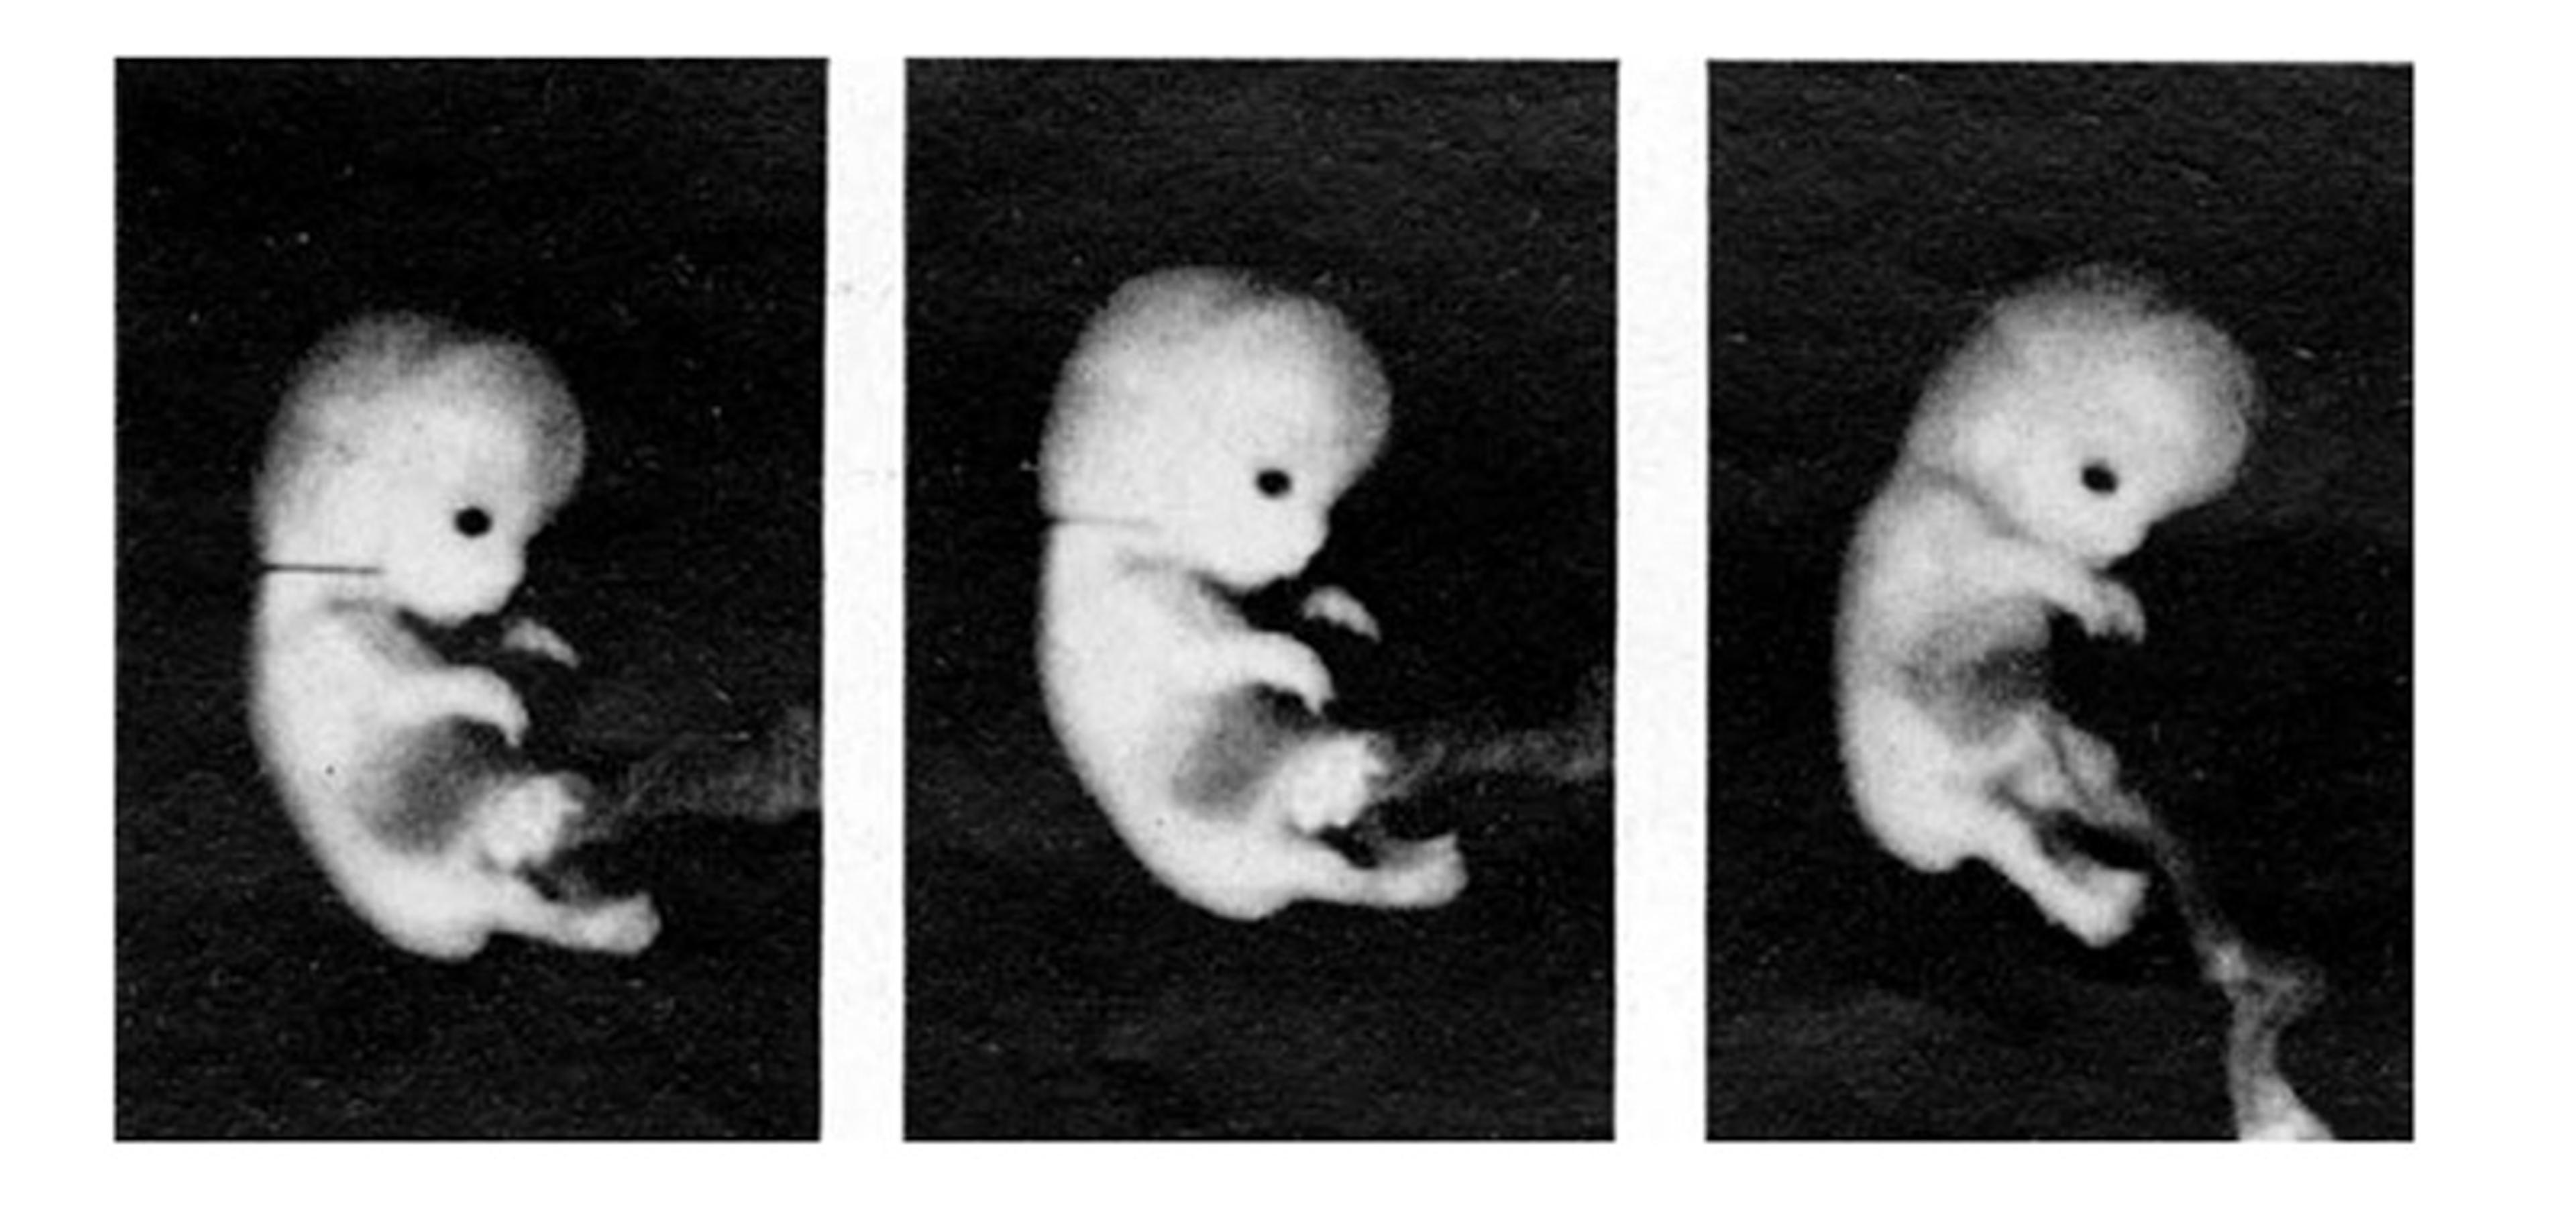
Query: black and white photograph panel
pixel 1259 599
pixel 468 582
pixel 2061 590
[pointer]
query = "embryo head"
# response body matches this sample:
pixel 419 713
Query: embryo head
pixel 424 454
pixel 1226 417
pixel 2088 409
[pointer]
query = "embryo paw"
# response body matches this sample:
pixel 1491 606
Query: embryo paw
pixel 527 824
pixel 1421 874
pixel 537 639
pixel 2116 612
pixel 1295 669
pixel 2098 904
pixel 619 927
pixel 1335 605
pixel 475 695
pixel 1328 784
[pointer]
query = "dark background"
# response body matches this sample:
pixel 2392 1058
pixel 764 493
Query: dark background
pixel 1461 215
pixel 1861 217
pixel 658 230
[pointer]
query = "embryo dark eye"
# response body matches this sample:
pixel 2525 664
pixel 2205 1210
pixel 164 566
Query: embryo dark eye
pixel 473 523
pixel 2100 479
pixel 1273 482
